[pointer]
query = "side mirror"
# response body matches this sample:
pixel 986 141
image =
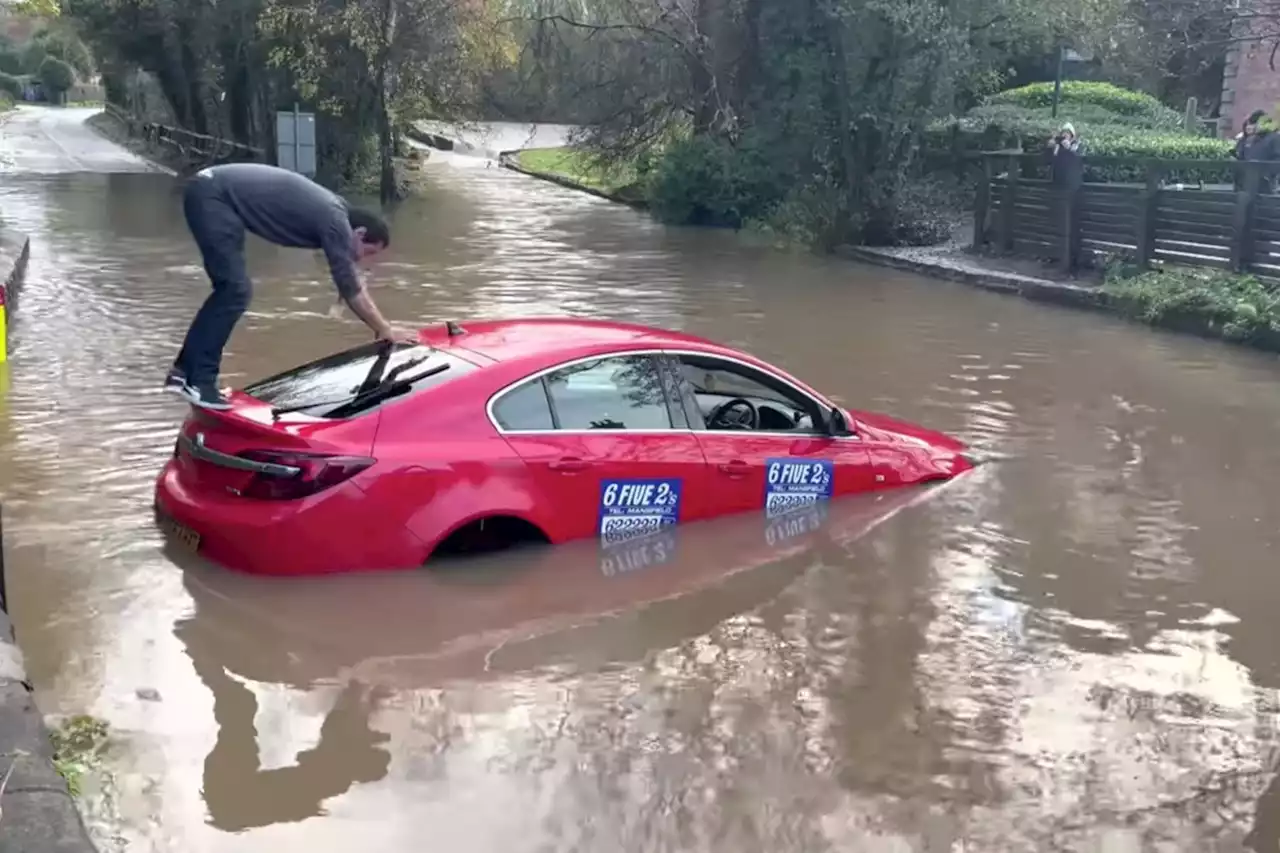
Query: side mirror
pixel 836 425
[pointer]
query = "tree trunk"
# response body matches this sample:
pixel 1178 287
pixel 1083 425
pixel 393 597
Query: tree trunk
pixel 387 190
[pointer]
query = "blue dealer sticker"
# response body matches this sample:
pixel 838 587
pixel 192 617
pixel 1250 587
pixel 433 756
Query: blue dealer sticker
pixel 790 484
pixel 631 508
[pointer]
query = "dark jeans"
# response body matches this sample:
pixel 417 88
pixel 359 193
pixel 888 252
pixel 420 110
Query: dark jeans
pixel 219 234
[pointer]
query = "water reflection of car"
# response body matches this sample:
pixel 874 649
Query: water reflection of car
pixel 376 637
pixel 516 430
pixel 421 628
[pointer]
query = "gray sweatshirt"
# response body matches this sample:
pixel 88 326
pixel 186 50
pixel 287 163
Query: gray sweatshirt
pixel 290 209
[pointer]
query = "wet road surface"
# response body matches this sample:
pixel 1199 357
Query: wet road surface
pixel 1074 648
pixel 51 140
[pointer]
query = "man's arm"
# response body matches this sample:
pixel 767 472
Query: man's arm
pixel 339 250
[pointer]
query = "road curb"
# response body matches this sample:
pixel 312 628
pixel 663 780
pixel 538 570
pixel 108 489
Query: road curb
pixel 37 814
pixel 1057 293
pixel 1040 290
pixel 507 160
pixel 16 271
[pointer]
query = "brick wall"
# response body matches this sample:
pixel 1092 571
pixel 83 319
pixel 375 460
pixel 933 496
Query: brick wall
pixel 1248 83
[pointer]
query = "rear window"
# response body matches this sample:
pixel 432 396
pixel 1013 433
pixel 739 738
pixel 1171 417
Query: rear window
pixel 326 387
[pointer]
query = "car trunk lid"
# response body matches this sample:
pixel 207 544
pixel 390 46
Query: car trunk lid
pixel 222 451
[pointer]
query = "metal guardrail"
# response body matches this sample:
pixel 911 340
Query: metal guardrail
pixel 189 144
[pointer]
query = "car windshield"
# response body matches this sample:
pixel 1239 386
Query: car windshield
pixel 322 388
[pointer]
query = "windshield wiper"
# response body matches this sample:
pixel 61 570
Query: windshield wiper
pixel 388 387
pixel 401 368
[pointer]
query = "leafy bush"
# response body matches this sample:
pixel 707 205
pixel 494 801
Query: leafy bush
pixel 1112 122
pixel 10 60
pixel 56 76
pixel 806 216
pixel 11 85
pixel 705 181
pixel 1238 307
pixel 1009 115
pixel 925 213
pixel 68 47
pixel 1109 97
pixel 32 55
pixel 954 139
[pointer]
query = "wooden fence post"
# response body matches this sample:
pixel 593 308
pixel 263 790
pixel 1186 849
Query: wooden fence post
pixel 1148 208
pixel 1070 223
pixel 982 203
pixel 1010 196
pixel 1242 220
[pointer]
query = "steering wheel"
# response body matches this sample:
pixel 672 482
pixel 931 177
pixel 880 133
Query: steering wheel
pixel 738 413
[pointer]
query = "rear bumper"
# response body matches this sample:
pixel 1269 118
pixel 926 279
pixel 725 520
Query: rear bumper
pixel 326 534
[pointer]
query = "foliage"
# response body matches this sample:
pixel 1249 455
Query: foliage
pixel 1088 114
pixel 56 76
pixel 61 41
pixel 11 86
pixel 1237 307
pixel 10 60
pixel 375 65
pixel 791 116
pixel 78 745
pixel 702 180
pixel 33 53
pixel 1112 122
pixel 1140 108
pixel 38 8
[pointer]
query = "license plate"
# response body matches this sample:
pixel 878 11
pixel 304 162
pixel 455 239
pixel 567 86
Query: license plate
pixel 185 536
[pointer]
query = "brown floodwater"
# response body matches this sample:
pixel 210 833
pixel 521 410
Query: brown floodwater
pixel 1072 648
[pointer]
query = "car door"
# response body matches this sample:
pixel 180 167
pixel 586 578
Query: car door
pixel 781 465
pixel 607 446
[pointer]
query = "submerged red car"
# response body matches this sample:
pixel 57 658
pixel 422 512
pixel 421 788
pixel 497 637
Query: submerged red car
pixel 507 431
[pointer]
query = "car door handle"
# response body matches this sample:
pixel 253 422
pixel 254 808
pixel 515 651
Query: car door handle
pixel 736 468
pixel 569 464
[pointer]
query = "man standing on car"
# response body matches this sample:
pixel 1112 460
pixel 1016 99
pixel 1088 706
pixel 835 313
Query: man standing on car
pixel 221 203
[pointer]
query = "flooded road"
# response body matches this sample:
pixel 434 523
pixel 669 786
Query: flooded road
pixel 1073 648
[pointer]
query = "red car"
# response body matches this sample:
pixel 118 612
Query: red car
pixel 509 431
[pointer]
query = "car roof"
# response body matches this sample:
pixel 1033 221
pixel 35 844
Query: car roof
pixel 562 338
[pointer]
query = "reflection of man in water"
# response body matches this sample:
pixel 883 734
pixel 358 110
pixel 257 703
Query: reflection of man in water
pixel 237 791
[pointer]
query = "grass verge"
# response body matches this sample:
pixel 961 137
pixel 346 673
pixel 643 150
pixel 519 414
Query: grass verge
pixel 579 167
pixel 78 745
pixel 1225 305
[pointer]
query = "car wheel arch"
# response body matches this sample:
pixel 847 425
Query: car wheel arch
pixel 504 523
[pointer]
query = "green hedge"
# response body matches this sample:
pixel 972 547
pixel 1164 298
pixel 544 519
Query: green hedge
pixel 955 141
pixel 1234 307
pixel 1136 106
pixel 1112 122
pixel 11 85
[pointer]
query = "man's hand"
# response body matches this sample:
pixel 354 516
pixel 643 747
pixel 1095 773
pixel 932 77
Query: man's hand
pixel 398 336
pixel 368 312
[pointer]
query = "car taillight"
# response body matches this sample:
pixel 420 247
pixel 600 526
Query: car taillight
pixel 318 472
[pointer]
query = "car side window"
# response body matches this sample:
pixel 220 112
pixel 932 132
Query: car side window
pixel 524 407
pixel 619 392
pixel 714 382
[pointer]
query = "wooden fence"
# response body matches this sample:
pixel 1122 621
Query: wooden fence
pixel 194 147
pixel 1154 222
